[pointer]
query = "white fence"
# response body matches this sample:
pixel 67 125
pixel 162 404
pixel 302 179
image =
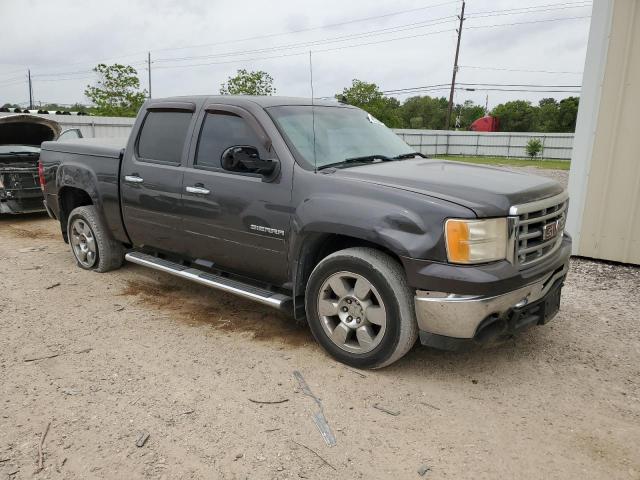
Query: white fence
pixel 430 142
pixel 103 127
pixel 556 146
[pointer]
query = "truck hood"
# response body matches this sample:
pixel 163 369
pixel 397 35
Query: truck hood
pixel 27 130
pixel 488 191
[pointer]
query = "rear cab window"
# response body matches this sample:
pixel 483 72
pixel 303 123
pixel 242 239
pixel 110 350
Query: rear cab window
pixel 163 135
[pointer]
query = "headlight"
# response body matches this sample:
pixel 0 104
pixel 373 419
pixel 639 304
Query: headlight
pixel 476 241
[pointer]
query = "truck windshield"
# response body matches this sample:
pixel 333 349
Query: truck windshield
pixel 340 134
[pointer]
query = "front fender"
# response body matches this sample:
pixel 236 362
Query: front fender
pixel 391 226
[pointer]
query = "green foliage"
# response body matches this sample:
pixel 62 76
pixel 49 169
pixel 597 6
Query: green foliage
pixel 534 147
pixel 468 113
pixel 248 83
pixel 369 97
pixel 549 116
pixel 567 115
pixel 424 112
pixel 515 116
pixel 117 92
pixel 546 115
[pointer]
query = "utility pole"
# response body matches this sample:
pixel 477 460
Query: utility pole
pixel 30 90
pixel 149 67
pixel 455 69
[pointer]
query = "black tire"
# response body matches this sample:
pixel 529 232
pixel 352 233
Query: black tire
pixel 387 277
pixel 109 254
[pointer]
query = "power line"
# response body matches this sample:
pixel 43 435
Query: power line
pixel 478 86
pixel 522 90
pixel 342 47
pixel 522 85
pixel 322 27
pixel 364 34
pixel 518 70
pixel 530 21
pixel 531 9
pixel 269 35
pixel 388 30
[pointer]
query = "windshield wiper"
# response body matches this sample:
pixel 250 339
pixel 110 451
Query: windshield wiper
pixel 356 161
pixel 405 156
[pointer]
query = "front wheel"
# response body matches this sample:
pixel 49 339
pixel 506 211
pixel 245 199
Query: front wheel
pixel 91 242
pixel 360 308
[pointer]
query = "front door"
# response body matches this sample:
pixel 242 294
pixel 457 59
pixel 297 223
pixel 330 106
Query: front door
pixel 235 220
pixel 151 180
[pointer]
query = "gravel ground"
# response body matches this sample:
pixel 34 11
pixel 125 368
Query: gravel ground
pixel 136 351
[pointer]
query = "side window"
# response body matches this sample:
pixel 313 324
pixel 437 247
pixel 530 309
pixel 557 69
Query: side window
pixel 221 130
pixel 163 135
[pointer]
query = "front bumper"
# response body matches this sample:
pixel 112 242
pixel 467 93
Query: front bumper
pixel 456 321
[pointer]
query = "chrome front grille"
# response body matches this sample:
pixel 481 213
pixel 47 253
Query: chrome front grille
pixel 535 224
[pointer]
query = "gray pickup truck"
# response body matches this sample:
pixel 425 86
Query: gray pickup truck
pixel 318 209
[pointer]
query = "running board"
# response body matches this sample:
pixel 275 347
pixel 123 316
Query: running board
pixel 241 289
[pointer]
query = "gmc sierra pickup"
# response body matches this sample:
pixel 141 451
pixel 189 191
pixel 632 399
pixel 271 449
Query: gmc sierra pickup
pixel 320 210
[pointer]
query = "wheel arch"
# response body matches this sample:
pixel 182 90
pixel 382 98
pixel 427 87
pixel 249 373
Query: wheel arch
pixel 314 247
pixel 70 198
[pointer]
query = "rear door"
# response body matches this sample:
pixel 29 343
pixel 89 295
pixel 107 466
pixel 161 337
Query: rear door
pixel 151 176
pixel 235 220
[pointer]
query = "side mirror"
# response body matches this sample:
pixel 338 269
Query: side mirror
pixel 246 159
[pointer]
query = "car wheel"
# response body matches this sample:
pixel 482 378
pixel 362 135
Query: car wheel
pixel 91 242
pixel 360 308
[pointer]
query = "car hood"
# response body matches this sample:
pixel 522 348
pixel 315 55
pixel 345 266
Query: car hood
pixel 488 191
pixel 27 130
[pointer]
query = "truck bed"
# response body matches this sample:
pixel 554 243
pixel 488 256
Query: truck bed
pixel 100 157
pixel 99 147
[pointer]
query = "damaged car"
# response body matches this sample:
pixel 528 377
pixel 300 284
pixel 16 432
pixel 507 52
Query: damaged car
pixel 20 139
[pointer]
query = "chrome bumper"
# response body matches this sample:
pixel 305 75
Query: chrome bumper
pixel 459 316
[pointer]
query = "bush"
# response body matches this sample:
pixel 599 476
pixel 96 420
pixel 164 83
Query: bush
pixel 534 147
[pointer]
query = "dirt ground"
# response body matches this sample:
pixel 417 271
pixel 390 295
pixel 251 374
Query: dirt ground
pixel 136 351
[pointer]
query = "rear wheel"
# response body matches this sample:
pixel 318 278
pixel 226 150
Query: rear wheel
pixel 91 242
pixel 360 308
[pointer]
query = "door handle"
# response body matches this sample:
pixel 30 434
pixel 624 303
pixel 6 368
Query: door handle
pixel 198 190
pixel 133 179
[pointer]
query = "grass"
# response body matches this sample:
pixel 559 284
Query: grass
pixel 512 162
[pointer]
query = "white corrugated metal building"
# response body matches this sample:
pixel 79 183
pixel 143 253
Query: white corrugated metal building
pixel 604 182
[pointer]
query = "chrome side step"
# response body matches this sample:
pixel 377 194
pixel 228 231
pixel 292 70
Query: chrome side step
pixel 241 289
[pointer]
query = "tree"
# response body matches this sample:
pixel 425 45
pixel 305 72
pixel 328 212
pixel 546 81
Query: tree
pixel 424 112
pixel 534 147
pixel 117 92
pixel 546 115
pixel 248 83
pixel 515 116
pixel 369 97
pixel 567 114
pixel 469 112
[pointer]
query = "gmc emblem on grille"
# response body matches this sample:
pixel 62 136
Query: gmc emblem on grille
pixel 550 230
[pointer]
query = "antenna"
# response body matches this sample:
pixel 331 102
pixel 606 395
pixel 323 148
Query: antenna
pixel 313 113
